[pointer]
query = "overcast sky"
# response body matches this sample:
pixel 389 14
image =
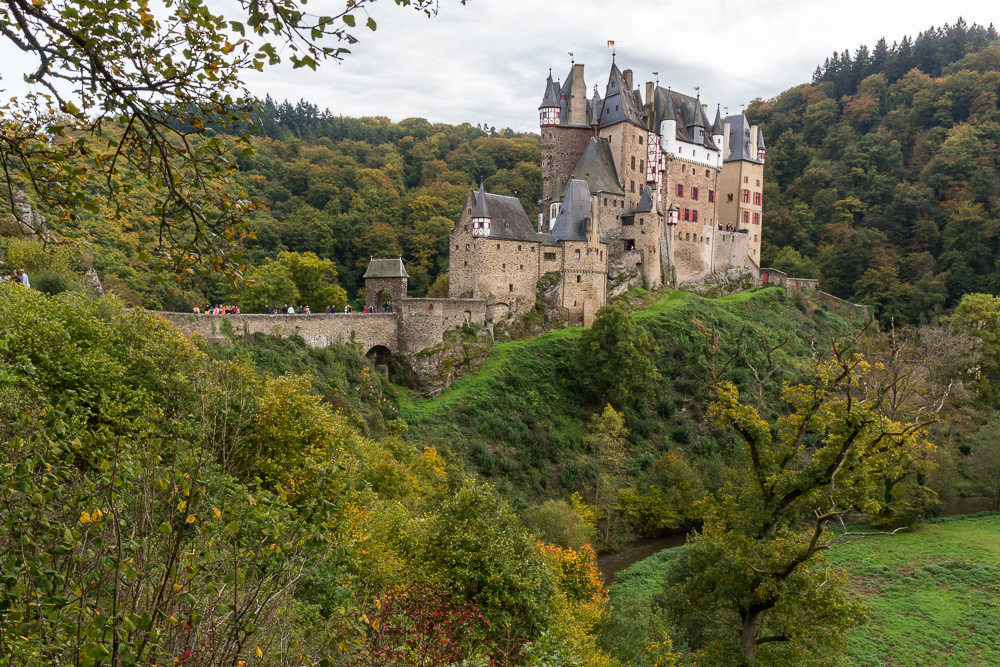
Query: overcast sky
pixel 486 62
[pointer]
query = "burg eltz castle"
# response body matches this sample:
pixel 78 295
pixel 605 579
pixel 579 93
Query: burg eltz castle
pixel 639 188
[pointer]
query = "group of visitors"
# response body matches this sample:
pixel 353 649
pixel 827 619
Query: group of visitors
pixel 728 228
pixel 217 310
pixel 19 277
pixel 284 309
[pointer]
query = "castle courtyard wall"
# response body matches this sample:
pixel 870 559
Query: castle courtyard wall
pixel 423 322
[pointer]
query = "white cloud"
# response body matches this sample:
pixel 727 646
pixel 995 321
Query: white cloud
pixel 486 62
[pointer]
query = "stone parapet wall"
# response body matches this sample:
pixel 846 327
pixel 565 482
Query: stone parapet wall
pixel 320 330
pixel 423 322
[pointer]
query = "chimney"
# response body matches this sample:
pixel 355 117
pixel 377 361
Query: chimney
pixel 578 98
pixel 628 79
pixel 648 106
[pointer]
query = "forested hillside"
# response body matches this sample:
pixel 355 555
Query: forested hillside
pixel 882 174
pixel 332 192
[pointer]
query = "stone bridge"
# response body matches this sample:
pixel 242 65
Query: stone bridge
pixel 417 325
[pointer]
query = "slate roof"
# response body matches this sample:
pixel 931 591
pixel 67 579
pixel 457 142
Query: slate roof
pixel 760 140
pixel 386 268
pixel 508 220
pixel 645 204
pixel 574 215
pixel 551 96
pixel 739 140
pixel 717 125
pixel 594 107
pixel 482 209
pixel 597 168
pixel 619 102
pixel 687 111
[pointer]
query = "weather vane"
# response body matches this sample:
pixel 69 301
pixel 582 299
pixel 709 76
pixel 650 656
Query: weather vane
pixel 611 43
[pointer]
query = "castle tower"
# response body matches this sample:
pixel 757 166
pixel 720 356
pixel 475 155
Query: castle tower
pixel 385 283
pixel 741 182
pixel 481 216
pixel 565 128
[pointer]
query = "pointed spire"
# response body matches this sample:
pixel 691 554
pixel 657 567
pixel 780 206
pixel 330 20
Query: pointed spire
pixel 760 140
pixel 551 96
pixel 482 210
pixel 717 125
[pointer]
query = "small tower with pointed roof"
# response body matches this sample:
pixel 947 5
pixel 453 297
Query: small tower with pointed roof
pixel 481 216
pixel 549 112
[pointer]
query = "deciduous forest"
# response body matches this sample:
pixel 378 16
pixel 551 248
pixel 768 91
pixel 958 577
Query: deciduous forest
pixel 254 501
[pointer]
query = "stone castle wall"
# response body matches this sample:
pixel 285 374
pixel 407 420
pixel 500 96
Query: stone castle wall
pixel 731 250
pixel 423 321
pixel 561 149
pixel 320 330
pixel 415 325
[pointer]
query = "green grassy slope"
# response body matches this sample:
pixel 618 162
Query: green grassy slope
pixel 520 421
pixel 932 594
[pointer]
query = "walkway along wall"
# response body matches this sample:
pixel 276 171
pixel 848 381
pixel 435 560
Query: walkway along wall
pixel 417 324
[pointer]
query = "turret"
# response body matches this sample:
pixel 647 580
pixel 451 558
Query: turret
pixel 481 216
pixel 717 131
pixel 549 111
pixel 668 123
pixel 761 151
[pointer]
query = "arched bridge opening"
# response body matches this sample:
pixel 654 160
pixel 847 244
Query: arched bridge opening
pixel 380 355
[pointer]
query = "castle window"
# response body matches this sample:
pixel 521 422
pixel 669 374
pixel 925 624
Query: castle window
pixel 549 257
pixel 522 267
pixel 503 267
pixel 694 194
pixel 729 197
pixel 456 246
pixel 576 254
pixel 519 248
pixel 466 246
pixel 629 244
pixel 687 214
pixel 694 215
pixel 746 216
pixel 532 248
pixel 602 255
pixel 498 246
pixel 466 228
pixel 578 278
pixel 746 179
pixel 746 196
pixel 680 190
pixel 756 198
pixel 633 162
pixel 687 236
pixel 707 173
pixel 711 196
pixel 510 288
pixel 466 264
pixel 640 140
pixel 640 222
pixel 632 187
pixel 758 182
pixel 756 218
pixel 605 201
pixel 628 220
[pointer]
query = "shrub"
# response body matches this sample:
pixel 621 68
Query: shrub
pixel 53 282
pixel 556 522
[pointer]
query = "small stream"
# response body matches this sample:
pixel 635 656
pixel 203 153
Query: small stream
pixel 610 564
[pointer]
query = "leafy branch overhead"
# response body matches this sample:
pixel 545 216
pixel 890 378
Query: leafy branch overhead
pixel 124 95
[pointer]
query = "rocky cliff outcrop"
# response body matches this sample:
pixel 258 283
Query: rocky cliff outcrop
pixel 431 371
pixel 547 313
